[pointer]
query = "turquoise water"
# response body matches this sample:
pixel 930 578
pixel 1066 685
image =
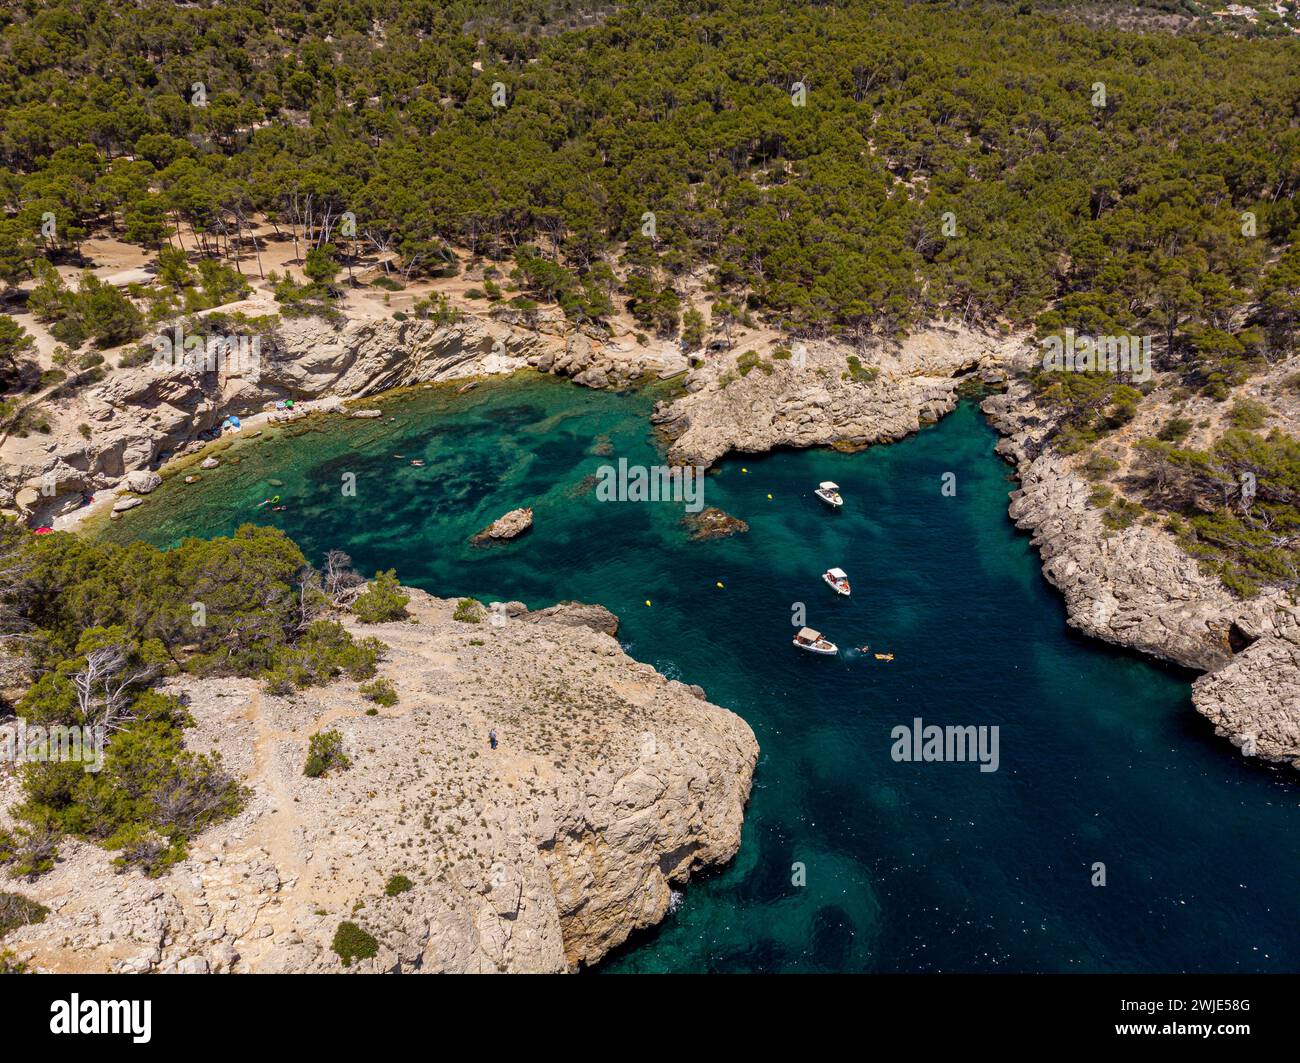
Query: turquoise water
pixel 906 867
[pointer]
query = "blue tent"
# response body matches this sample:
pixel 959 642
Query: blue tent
pixel 232 422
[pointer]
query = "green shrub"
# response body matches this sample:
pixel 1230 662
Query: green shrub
pixel 1101 496
pixel 325 754
pixel 1175 430
pixel 1099 466
pixel 17 910
pixel 323 652
pixel 1246 413
pixel 29 850
pixel 398 884
pixel 468 611
pixel 380 691
pixel 382 601
pixel 351 943
pixel 1122 513
pixel 135 357
pixel 859 372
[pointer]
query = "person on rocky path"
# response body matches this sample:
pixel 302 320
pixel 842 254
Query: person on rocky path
pixel 492 739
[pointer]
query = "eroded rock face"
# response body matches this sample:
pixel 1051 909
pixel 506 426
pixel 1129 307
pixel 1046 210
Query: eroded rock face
pixel 139 415
pixel 575 614
pixel 609 785
pixel 1138 588
pixel 818 398
pixel 602 364
pixel 1254 701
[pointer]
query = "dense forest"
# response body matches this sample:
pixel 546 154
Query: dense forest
pixel 847 168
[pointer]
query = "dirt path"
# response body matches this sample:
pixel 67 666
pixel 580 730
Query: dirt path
pixel 280 831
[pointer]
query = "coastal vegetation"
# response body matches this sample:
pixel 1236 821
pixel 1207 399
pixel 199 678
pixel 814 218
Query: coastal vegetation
pixel 397 885
pixel 325 754
pixel 846 171
pixel 468 611
pixel 383 600
pixel 97 626
pixel 381 691
pixel 17 910
pixel 1236 506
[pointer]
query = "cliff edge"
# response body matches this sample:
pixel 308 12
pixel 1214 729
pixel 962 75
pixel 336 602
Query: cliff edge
pixel 609 785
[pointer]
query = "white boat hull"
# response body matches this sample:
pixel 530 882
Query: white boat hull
pixel 829 650
pixel 842 591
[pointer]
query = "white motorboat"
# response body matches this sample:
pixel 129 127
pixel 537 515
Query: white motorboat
pixel 830 494
pixel 815 642
pixel 838 581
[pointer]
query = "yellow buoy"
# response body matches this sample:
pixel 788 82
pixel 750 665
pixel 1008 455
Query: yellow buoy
pixel 720 585
pixel 769 498
pixel 647 601
pixel 744 470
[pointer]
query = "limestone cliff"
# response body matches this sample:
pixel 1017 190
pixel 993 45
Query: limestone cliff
pixel 819 397
pixel 136 416
pixel 1137 588
pixel 609 785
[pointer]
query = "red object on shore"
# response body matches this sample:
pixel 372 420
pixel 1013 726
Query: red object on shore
pixel 43 531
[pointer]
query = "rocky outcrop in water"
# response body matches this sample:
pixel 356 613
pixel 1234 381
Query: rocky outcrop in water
pixel 508 526
pixel 610 785
pixel 1254 700
pixel 712 523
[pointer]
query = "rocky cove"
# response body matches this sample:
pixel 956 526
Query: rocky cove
pixel 1137 589
pixel 1102 756
pixel 819 402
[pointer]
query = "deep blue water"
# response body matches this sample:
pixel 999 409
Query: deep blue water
pixel 906 867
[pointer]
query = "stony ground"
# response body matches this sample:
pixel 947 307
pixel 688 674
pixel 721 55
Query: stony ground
pixel 609 785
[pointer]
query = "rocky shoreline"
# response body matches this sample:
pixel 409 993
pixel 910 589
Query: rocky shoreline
pixel 1138 589
pixel 823 395
pixel 610 786
pixel 1134 588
